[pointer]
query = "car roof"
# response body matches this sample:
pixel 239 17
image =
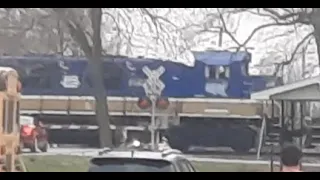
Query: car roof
pixel 169 155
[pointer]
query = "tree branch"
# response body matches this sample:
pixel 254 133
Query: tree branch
pixel 225 29
pixel 298 47
pixel 79 35
pixel 257 29
pixel 279 16
pixel 287 62
pixel 96 14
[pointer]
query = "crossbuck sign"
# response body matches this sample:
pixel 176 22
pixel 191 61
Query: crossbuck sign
pixel 153 86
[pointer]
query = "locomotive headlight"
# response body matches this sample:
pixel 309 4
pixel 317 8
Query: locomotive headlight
pixel 136 143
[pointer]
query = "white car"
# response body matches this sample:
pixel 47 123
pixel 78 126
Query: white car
pixel 140 160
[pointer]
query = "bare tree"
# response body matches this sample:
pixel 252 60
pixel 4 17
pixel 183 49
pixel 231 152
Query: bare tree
pixel 303 24
pixel 161 33
pixel 84 26
pixel 33 30
pixel 97 79
pixel 91 44
pixel 50 31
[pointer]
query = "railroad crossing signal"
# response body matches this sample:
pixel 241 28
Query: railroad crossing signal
pixel 153 85
pixel 153 88
pixel 144 103
pixel 162 103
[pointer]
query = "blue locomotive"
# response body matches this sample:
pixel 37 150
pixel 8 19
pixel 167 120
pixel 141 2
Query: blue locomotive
pixel 215 74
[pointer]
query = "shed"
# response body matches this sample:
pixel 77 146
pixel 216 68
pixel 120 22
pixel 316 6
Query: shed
pixel 306 90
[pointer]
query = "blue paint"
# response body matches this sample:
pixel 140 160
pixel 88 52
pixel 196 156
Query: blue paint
pixel 55 75
pixel 221 57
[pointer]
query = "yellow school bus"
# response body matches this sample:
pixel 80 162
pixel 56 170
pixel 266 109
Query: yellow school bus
pixel 10 87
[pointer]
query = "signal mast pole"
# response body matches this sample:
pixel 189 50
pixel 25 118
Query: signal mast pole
pixel 154 134
pixel 153 88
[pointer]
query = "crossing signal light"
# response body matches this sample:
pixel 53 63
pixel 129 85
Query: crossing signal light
pixel 144 103
pixel 162 103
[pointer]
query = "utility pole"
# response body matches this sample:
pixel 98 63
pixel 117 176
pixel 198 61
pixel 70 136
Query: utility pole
pixel 220 36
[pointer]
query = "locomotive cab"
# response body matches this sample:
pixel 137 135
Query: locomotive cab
pixel 217 80
pixel 224 73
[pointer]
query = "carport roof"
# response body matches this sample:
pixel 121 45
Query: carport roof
pixel 274 93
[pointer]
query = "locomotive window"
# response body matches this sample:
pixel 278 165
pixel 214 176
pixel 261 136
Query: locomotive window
pixel 207 72
pixel 222 72
pixel 217 72
pixel 210 72
pixel 244 69
pixel 38 77
pixel 226 72
pixel 112 83
pixel 112 76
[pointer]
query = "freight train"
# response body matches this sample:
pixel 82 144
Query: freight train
pixel 209 101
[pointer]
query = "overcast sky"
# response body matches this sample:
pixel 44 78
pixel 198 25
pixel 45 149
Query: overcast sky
pixel 266 48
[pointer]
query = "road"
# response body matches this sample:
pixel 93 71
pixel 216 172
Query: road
pixel 93 152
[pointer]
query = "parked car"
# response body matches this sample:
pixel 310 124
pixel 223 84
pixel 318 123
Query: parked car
pixel 140 160
pixel 33 135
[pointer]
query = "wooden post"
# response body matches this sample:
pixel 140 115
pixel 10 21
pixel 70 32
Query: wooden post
pixel 281 140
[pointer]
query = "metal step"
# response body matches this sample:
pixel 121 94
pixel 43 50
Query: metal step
pixel 276 135
pixel 273 135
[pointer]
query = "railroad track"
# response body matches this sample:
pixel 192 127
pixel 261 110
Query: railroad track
pixel 310 156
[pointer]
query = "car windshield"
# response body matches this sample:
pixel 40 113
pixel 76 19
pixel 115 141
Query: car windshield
pixel 130 165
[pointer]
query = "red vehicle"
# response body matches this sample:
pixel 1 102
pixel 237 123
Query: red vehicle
pixel 33 135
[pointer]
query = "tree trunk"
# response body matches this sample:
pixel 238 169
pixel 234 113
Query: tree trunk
pixel 315 21
pixel 317 40
pixel 96 65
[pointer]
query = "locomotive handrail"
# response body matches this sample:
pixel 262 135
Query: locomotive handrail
pixel 182 106
pixel 41 104
pixel 117 98
pixel 68 105
pixel 261 136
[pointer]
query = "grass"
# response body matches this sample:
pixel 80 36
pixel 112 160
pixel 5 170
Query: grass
pixel 56 163
pixel 61 163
